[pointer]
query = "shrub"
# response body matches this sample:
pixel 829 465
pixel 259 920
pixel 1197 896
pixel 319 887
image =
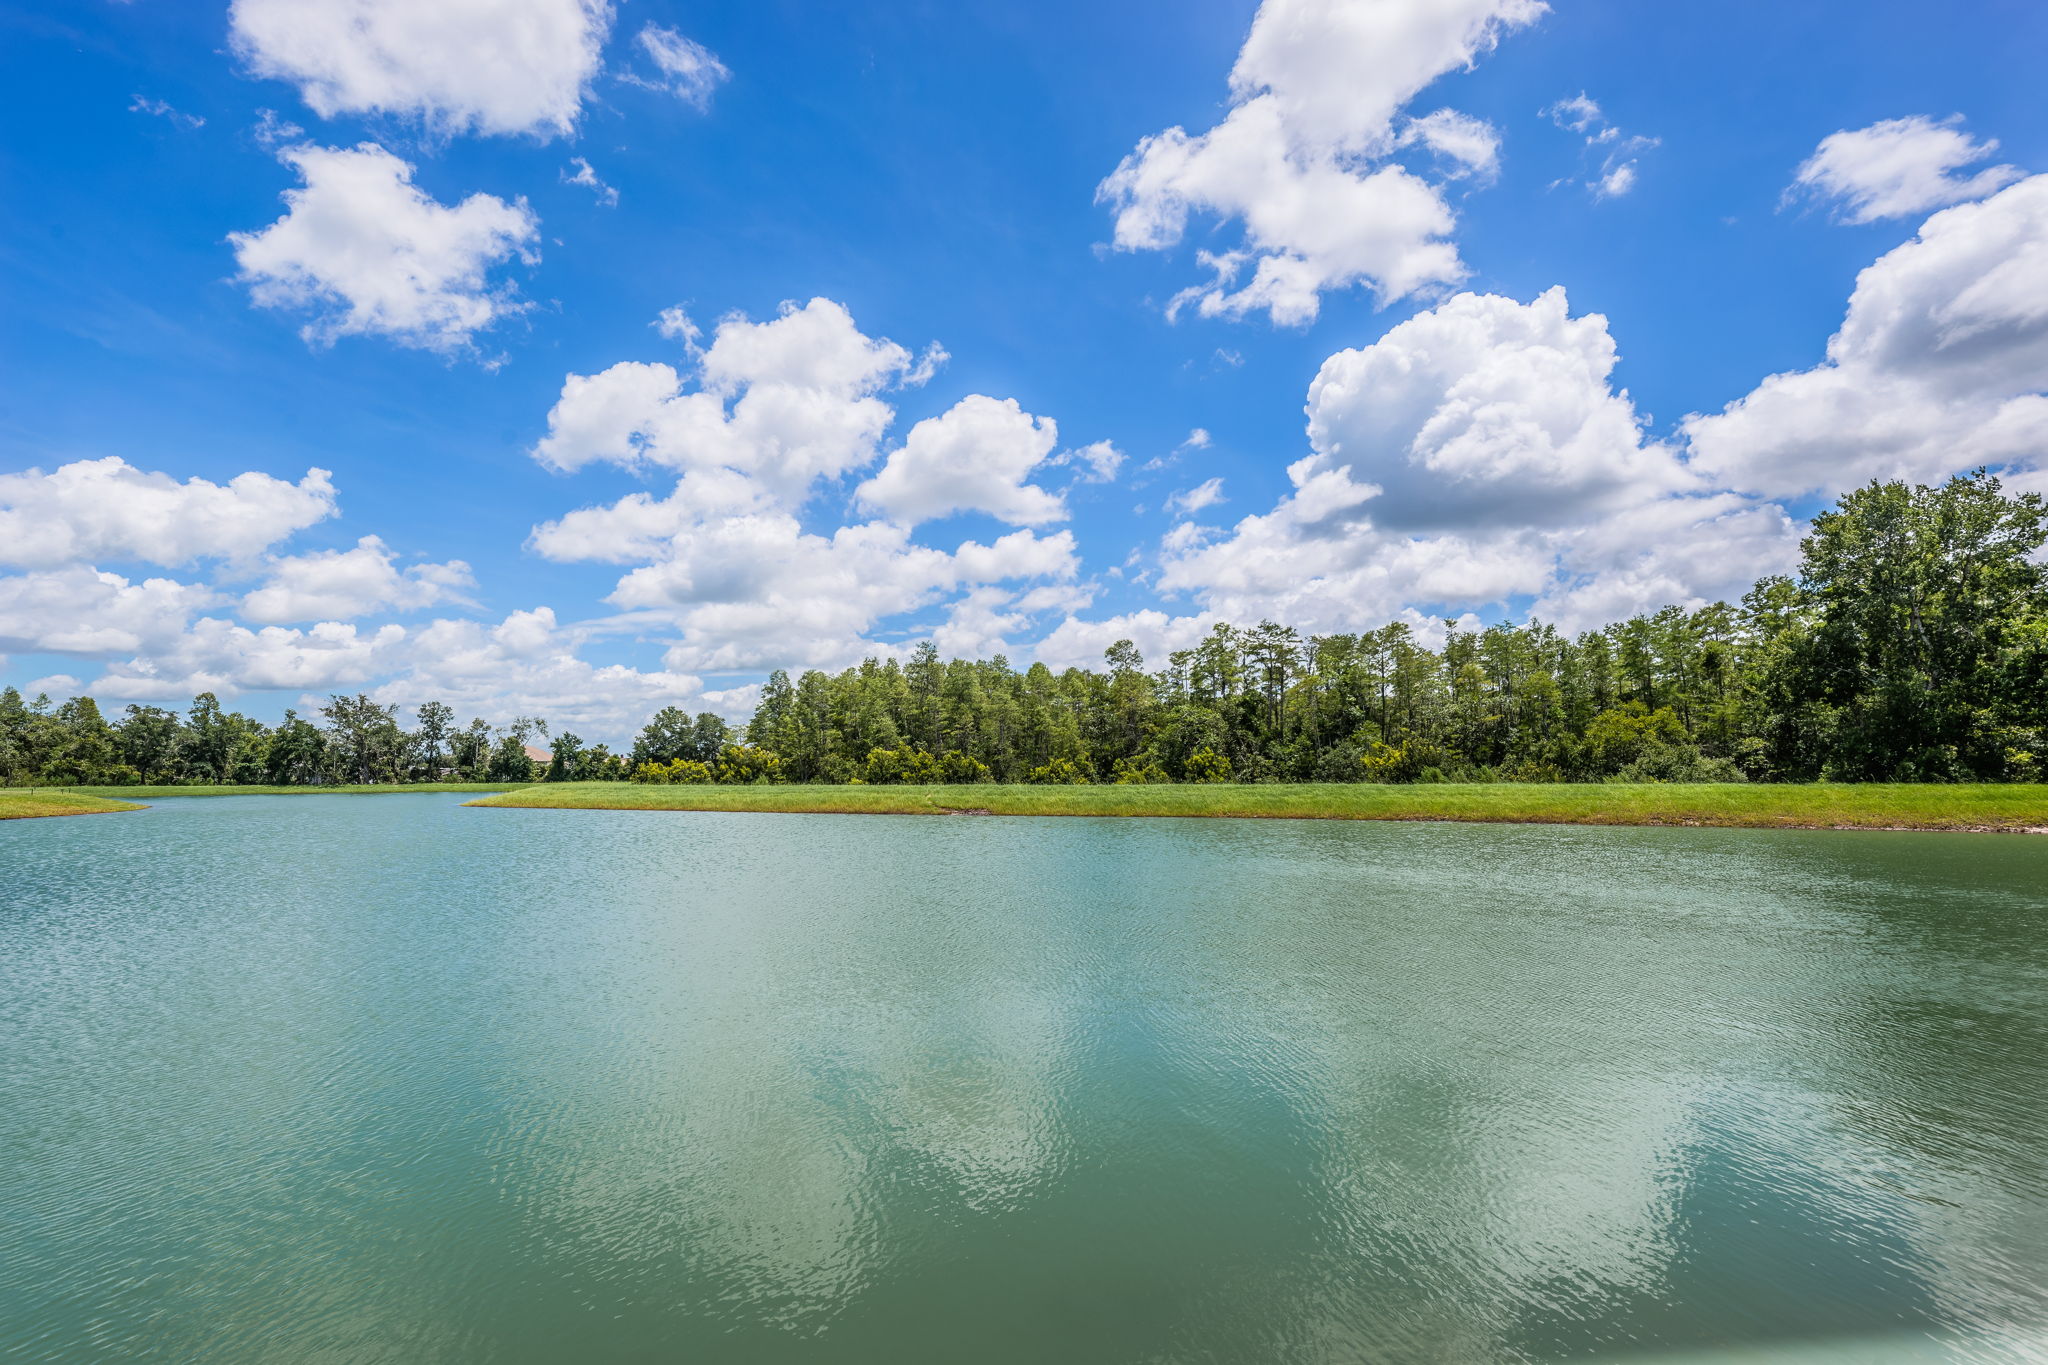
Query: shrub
pixel 742 765
pixel 1616 738
pixel 959 767
pixel 1206 765
pixel 1138 771
pixel 885 766
pixel 1412 760
pixel 1678 763
pixel 680 772
pixel 1061 772
pixel 1340 763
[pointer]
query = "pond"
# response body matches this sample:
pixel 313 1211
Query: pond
pixel 379 1078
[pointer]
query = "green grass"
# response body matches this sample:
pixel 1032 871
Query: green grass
pixel 373 789
pixel 1819 806
pixel 23 805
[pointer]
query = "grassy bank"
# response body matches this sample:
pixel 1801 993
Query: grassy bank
pixel 373 789
pixel 23 805
pixel 1821 806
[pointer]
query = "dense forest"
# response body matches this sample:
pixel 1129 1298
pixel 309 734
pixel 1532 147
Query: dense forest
pixel 1911 646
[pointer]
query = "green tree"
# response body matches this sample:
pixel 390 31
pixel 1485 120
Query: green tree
pixel 363 738
pixel 1920 597
pixel 151 740
pixel 566 765
pixel 509 762
pixel 433 727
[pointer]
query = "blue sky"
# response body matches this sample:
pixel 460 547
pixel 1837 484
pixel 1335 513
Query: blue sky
pixel 1702 184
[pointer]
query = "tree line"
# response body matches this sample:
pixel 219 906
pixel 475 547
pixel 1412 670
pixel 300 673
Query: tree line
pixel 1911 646
pixel 358 742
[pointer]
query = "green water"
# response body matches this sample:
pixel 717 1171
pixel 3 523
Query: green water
pixel 380 1079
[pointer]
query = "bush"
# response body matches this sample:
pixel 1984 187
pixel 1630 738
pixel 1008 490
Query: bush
pixel 1678 763
pixel 1139 771
pixel 743 765
pixel 889 766
pixel 1206 765
pixel 959 767
pixel 1412 760
pixel 679 772
pixel 1339 763
pixel 1617 738
pixel 1061 772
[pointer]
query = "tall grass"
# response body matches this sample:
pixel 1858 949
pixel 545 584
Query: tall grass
pixel 22 805
pixel 368 789
pixel 1823 805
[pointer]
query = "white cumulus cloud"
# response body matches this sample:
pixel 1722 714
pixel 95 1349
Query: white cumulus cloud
pixel 975 457
pixel 370 253
pixel 786 401
pixel 486 66
pixel 344 584
pixel 773 411
pixel 108 510
pixel 1941 364
pixel 1485 411
pixel 1900 166
pixel 1301 158
pixel 82 611
pixel 1477 456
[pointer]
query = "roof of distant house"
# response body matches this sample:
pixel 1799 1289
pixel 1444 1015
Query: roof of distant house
pixel 539 755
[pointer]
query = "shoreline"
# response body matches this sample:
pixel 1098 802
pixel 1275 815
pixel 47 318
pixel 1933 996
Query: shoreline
pixel 1899 808
pixel 1983 809
pixel 40 806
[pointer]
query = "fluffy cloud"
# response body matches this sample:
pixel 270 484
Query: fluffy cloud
pixel 1689 551
pixel 1098 461
pixel 216 655
pixel 489 66
pixel 686 69
pixel 972 458
pixel 108 510
pixel 776 409
pixel 636 527
pixel 1075 643
pixel 1939 365
pixel 1900 166
pixel 84 612
pixel 526 664
pixel 342 584
pixel 758 591
pixel 785 401
pixel 371 253
pixel 1477 455
pixel 1485 411
pixel 529 664
pixel 1300 158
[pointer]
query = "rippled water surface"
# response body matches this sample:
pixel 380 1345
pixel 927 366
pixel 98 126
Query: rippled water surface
pixel 381 1079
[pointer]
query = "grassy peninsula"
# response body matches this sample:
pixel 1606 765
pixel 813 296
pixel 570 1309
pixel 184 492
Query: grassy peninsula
pixel 148 793
pixel 1958 806
pixel 24 805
